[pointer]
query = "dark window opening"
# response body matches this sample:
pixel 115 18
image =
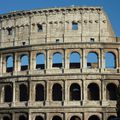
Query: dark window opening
pixel 6 118
pixel 74 60
pixel 110 60
pixel 92 60
pixel 74 65
pixel 40 28
pixel 75 118
pixel 57 40
pixel 24 62
pixel 40 61
pixel 57 65
pixel 94 117
pixel 57 92
pixel 9 30
pixel 24 67
pixel 38 118
pixel 23 43
pixel 9 64
pixel 56 118
pixel 75 92
pixel 111 91
pixel 8 93
pixel 22 117
pixel 93 91
pixel 39 92
pixel 40 66
pixel 111 117
pixel 23 92
pixel 92 39
pixel 74 26
pixel 57 60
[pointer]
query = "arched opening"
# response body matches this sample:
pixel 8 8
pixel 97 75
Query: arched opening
pixel 9 64
pixel 39 92
pixel 110 60
pixel 75 118
pixel 93 92
pixel 57 92
pixel 24 62
pixel 74 60
pixel 57 60
pixel 111 117
pixel 92 60
pixel 94 117
pixel 75 92
pixel 56 118
pixel 6 118
pixel 22 117
pixel 8 95
pixel 23 92
pixel 40 61
pixel 111 91
pixel 38 118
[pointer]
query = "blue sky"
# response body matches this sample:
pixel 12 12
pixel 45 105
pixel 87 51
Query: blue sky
pixel 112 7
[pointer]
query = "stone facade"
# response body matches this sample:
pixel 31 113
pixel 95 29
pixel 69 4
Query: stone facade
pixel 65 90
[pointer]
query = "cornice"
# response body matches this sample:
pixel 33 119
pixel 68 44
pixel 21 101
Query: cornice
pixel 48 11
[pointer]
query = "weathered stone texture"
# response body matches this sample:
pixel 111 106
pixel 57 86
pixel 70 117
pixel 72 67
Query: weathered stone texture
pixel 20 35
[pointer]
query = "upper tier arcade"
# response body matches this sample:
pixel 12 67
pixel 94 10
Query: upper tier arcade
pixel 55 25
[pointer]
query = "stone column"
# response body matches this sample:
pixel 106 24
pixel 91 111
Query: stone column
pixel 15 62
pixel 63 59
pixel 65 116
pixel 33 60
pixel 31 65
pixel 66 93
pixel 14 94
pixel 99 59
pixel 18 64
pixel 103 93
pixel 84 57
pixel 29 116
pixel 48 92
pixel 13 116
pixel 104 116
pixel 47 116
pixel 102 58
pixel 66 59
pixel 1 65
pixel 84 92
pixel 47 60
pixel 2 94
pixel 30 92
pixel 4 64
pixel 17 93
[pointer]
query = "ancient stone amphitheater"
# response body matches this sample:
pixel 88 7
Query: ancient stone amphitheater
pixel 58 64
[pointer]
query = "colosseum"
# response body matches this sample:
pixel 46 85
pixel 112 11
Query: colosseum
pixel 58 64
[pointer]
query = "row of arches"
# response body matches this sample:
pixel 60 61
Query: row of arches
pixel 75 92
pixel 57 61
pixel 21 117
pixel 56 117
